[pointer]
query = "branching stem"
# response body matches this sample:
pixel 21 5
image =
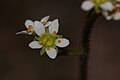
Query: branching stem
pixel 87 31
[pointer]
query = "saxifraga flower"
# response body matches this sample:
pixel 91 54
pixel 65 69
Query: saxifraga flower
pixel 30 25
pixel 47 39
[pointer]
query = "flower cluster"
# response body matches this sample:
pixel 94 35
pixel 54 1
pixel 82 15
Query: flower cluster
pixel 45 36
pixel 109 8
pixel 115 13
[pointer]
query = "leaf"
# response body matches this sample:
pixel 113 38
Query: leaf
pixel 42 51
pixel 37 38
pixel 71 51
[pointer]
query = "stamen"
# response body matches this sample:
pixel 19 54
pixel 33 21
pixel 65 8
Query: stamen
pixel 44 23
pixel 29 28
pixel 59 41
pixel 54 34
pixel 118 9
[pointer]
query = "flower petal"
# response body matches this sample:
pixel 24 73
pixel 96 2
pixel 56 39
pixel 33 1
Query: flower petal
pixel 45 19
pixel 39 28
pixel 117 16
pixel 48 24
pixel 54 26
pixel 107 6
pixel 51 52
pixel 35 45
pixel 22 32
pixel 62 42
pixel 28 23
pixel 87 5
pixel 107 16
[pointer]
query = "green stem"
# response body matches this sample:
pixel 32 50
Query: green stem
pixel 87 31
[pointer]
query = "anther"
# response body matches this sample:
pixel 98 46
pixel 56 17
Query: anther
pixel 29 28
pixel 44 23
pixel 59 41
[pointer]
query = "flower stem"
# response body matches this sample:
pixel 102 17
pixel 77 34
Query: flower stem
pixel 87 31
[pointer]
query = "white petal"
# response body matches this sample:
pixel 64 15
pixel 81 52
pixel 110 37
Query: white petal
pixel 28 23
pixel 105 13
pixel 48 23
pixel 35 45
pixel 107 16
pixel 45 19
pixel 117 16
pixel 54 26
pixel 22 32
pixel 39 28
pixel 107 6
pixel 87 5
pixel 62 42
pixel 51 52
pixel 117 5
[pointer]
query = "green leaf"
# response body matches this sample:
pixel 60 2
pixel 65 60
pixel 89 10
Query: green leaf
pixel 71 51
pixel 42 51
pixel 37 38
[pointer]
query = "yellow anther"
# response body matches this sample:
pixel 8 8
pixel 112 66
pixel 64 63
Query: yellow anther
pixel 54 34
pixel 29 28
pixel 118 9
pixel 44 23
pixel 59 41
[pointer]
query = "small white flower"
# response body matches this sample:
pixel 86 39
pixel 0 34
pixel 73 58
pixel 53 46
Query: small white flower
pixel 98 4
pixel 30 25
pixel 48 39
pixel 115 14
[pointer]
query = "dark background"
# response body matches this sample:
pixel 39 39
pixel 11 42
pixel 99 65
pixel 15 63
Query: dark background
pixel 19 62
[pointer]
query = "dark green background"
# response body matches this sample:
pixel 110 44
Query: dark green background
pixel 19 62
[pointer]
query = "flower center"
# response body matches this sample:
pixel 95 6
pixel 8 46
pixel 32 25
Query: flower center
pixel 47 40
pixel 97 2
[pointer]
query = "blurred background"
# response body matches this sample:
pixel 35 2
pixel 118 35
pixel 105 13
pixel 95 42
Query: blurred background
pixel 19 62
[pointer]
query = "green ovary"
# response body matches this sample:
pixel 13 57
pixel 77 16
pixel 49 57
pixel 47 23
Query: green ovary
pixel 47 40
pixel 99 1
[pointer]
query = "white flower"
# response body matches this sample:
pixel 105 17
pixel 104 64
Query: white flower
pixel 30 25
pixel 48 39
pixel 98 4
pixel 115 16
